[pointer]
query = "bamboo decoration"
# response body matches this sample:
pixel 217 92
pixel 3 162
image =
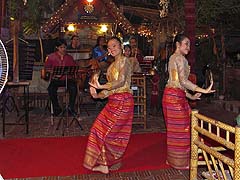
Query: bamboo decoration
pixel 219 165
pixel 237 155
pixel 194 148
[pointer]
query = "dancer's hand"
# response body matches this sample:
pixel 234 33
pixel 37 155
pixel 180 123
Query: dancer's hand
pixel 196 96
pixel 209 89
pixel 93 92
pixel 94 80
pixel 95 84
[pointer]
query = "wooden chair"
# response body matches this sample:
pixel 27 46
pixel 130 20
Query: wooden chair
pixel 138 86
pixel 219 144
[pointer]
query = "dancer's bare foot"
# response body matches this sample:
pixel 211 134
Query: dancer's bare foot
pixel 101 168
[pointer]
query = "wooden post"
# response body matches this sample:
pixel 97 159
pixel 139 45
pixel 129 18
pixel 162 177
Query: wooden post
pixel 2 13
pixel 194 147
pixel 15 29
pixel 190 21
pixel 155 42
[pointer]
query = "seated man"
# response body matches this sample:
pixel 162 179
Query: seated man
pixel 61 58
pixel 136 52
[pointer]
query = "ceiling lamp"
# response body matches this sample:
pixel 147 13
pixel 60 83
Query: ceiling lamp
pixel 71 28
pixel 163 12
pixel 103 28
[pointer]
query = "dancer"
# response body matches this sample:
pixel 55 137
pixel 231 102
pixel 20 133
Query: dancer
pixel 175 104
pixel 110 133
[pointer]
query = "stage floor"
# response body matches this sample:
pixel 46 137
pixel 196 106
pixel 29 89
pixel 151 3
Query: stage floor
pixel 40 126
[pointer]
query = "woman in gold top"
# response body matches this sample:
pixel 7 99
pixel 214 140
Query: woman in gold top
pixel 175 104
pixel 110 133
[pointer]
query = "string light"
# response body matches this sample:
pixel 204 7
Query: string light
pixel 115 11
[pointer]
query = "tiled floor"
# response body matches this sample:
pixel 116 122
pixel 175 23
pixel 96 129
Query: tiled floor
pixel 40 126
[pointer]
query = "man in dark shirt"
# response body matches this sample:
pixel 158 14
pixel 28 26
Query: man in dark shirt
pixel 61 58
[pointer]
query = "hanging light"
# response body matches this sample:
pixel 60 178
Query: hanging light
pixel 89 8
pixel 163 12
pixel 143 30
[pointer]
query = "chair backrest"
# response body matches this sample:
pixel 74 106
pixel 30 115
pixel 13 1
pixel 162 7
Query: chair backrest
pixel 219 144
pixel 138 86
pixel 26 59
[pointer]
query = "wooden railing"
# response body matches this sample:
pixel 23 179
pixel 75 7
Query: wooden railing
pixel 218 144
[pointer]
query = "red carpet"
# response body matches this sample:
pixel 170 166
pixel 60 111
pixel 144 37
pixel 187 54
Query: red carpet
pixel 36 157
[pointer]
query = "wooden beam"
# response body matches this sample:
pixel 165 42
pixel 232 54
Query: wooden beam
pixel 190 29
pixel 152 14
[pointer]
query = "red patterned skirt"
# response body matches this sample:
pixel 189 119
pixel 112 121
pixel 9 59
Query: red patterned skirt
pixel 110 133
pixel 177 118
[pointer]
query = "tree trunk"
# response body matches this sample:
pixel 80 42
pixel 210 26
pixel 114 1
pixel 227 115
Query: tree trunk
pixel 41 46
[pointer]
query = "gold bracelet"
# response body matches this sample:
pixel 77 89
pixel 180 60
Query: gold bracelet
pixel 110 85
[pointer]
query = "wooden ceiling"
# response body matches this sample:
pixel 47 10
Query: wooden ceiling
pixel 152 4
pixel 139 11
